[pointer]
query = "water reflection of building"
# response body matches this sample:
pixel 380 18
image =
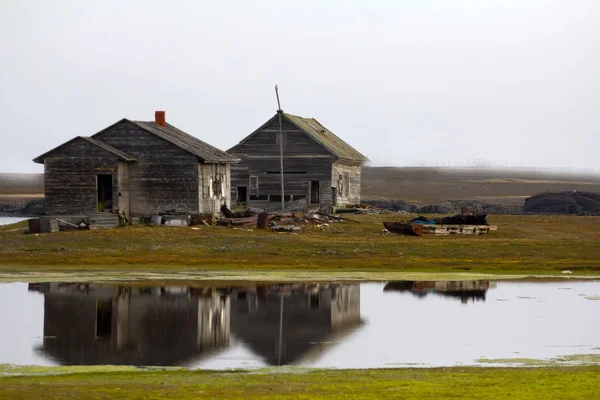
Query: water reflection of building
pixel 464 290
pixel 287 324
pixel 87 324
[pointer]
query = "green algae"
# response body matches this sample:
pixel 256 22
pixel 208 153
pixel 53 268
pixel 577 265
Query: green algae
pixel 268 276
pixel 437 383
pixel 572 359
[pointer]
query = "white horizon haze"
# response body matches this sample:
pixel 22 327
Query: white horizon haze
pixel 495 83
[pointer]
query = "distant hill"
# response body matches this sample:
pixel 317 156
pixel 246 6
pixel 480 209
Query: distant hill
pixel 413 184
pixel 21 184
pixel 424 185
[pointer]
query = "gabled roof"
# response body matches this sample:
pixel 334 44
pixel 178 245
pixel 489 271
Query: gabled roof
pixel 326 138
pixel 319 134
pixel 102 145
pixel 187 142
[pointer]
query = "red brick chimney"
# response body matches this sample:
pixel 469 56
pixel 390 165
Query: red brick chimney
pixel 160 118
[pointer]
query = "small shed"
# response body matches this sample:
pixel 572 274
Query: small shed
pixel 136 168
pixel 319 167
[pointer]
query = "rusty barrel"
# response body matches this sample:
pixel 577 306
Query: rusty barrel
pixel 34 225
pixel 262 222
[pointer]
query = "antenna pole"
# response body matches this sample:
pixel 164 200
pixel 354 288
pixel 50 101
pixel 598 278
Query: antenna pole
pixel 279 113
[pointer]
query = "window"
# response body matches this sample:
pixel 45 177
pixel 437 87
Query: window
pixel 253 185
pixel 219 186
pixel 216 186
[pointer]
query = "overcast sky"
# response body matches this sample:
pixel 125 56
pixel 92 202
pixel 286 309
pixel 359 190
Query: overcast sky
pixel 406 82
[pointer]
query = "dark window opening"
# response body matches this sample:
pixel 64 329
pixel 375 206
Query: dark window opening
pixel 276 198
pixel 285 172
pixel 241 195
pixel 314 192
pixel 299 196
pixel 263 197
pixel 254 185
pixel 103 318
pixel 241 295
pixel 314 300
pixel 105 189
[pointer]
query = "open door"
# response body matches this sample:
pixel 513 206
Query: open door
pixel 241 195
pixel 105 191
pixel 314 192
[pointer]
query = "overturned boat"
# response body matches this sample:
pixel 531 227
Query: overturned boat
pixel 461 224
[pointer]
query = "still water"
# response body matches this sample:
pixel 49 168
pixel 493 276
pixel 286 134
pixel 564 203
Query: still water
pixel 10 220
pixel 368 325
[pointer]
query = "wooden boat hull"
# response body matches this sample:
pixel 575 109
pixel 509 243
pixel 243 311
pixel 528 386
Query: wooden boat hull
pixel 406 228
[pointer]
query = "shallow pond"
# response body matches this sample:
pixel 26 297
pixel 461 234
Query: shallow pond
pixel 341 325
pixel 10 220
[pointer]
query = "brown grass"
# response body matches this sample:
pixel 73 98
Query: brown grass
pixel 522 245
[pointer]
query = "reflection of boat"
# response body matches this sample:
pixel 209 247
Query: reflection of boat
pixel 465 290
pixel 461 224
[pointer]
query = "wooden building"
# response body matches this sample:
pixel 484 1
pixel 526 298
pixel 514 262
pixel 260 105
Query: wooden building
pixel 101 324
pixel 288 324
pixel 319 167
pixel 136 168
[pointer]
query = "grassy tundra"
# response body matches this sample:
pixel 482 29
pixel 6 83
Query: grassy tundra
pixel 437 383
pixel 523 245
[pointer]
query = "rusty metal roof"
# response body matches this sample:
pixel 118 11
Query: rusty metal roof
pixel 187 142
pixel 326 138
pixel 102 145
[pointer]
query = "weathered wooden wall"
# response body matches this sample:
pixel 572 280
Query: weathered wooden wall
pixel 70 177
pixel 165 177
pixel 305 160
pixel 350 182
pixel 123 189
pixel 211 199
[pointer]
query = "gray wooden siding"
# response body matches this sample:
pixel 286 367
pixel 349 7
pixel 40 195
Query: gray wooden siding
pixel 165 177
pixel 304 161
pixel 350 182
pixel 265 143
pixel 123 189
pixel 70 178
pixel 211 199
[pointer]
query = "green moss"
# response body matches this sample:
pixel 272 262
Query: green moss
pixel 523 245
pixel 473 383
pixel 572 359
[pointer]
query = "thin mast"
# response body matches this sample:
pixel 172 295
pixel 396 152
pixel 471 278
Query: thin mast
pixel 279 112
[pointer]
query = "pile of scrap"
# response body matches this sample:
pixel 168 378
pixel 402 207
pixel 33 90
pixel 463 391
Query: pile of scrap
pixel 229 218
pixel 360 209
pixel 278 222
pixel 460 224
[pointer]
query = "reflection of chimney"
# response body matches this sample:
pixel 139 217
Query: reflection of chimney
pixel 160 118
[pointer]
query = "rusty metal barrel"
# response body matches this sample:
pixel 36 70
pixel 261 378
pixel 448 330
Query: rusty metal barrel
pixel 262 222
pixel 34 225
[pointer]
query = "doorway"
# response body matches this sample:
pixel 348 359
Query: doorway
pixel 105 192
pixel 314 192
pixel 242 192
pixel 103 318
